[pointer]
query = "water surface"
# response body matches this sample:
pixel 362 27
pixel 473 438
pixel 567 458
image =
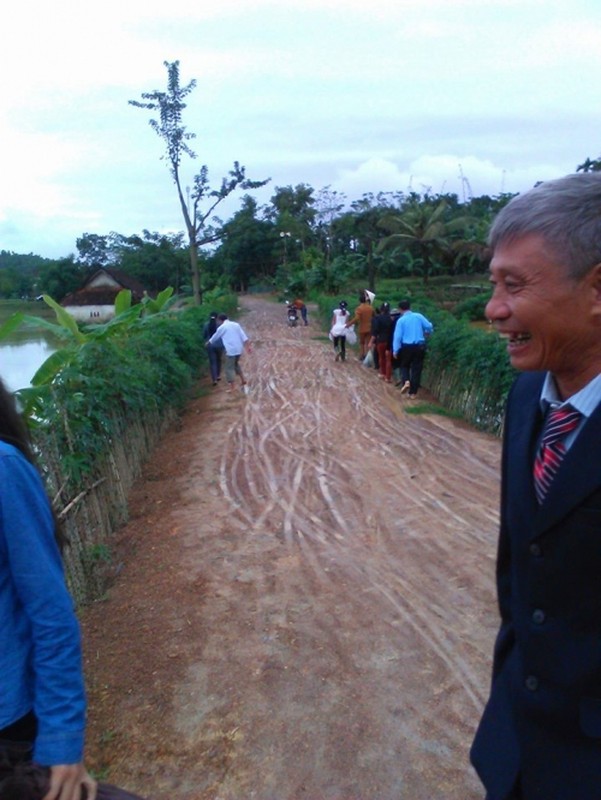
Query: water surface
pixel 22 354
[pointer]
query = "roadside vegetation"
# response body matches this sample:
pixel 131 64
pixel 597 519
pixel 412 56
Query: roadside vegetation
pixel 99 404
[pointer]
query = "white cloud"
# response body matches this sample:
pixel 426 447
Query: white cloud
pixel 374 175
pixel 466 176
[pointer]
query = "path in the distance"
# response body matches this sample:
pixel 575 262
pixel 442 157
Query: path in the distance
pixel 339 647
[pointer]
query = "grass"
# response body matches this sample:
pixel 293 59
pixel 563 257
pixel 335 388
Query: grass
pixel 432 408
pixel 201 391
pixel 36 309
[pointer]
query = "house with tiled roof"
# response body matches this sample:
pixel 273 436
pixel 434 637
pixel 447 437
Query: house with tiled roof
pixel 94 301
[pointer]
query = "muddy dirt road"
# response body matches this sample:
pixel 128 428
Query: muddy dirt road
pixel 306 607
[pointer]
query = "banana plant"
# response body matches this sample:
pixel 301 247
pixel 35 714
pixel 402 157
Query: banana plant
pixel 162 302
pixel 67 330
pixel 11 324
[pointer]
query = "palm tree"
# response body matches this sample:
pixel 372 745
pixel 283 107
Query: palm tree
pixel 429 231
pixel 422 227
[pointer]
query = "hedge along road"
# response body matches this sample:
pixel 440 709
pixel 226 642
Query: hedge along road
pixel 306 606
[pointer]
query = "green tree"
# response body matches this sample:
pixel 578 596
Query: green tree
pixel 298 202
pixel 329 204
pixel 95 250
pixel 15 285
pixel 202 199
pixel 19 274
pixel 293 213
pixel 361 228
pixel 246 254
pixel 469 225
pixel 156 260
pixel 422 228
pixel 61 277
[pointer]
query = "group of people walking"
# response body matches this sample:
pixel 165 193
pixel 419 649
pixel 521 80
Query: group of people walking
pixel 394 340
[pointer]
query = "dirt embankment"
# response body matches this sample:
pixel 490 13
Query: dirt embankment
pixel 306 609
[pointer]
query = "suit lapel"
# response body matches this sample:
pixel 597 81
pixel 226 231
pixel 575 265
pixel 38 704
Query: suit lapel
pixel 524 424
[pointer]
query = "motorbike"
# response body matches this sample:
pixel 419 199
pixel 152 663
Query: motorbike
pixel 292 315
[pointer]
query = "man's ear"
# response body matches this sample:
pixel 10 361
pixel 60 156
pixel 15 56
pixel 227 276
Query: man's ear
pixel 594 278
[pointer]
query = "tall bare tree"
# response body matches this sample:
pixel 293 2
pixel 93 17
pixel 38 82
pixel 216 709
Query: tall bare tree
pixel 202 199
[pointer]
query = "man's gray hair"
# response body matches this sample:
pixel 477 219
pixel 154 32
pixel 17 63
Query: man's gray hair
pixel 565 212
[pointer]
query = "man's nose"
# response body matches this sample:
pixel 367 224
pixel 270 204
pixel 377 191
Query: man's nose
pixel 496 308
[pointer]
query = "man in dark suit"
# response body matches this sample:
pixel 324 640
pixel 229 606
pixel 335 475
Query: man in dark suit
pixel 540 734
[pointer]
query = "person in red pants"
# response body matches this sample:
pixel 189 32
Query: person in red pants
pixel 382 332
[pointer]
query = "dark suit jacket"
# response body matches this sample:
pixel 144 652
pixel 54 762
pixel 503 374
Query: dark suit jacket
pixel 543 717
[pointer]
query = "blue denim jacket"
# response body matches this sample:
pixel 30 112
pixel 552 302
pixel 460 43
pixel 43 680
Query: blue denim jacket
pixel 40 649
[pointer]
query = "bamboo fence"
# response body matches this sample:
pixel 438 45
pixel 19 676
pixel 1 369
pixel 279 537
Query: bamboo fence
pixel 92 515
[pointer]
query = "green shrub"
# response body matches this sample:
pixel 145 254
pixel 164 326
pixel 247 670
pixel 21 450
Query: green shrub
pixel 472 308
pixel 467 369
pixel 97 415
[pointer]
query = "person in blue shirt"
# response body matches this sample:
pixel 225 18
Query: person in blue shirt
pixel 42 698
pixel 409 346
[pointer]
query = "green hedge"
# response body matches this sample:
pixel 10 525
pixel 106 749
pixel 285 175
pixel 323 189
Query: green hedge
pixel 146 370
pixel 468 370
pixel 99 419
pixel 472 308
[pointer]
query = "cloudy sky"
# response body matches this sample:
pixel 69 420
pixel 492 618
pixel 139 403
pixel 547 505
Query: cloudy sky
pixel 471 96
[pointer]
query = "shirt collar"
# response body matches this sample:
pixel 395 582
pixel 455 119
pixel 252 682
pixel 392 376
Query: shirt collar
pixel 585 401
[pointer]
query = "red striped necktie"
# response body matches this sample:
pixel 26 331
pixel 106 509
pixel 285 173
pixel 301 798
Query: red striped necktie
pixel 559 423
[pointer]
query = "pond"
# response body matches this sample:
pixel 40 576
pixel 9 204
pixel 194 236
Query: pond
pixel 21 355
pixel 26 348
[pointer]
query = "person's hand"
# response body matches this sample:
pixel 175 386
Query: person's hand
pixel 66 781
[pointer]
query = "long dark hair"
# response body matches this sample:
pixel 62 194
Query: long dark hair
pixel 212 323
pixel 14 431
pixel 12 428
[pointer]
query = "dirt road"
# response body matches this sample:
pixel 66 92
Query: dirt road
pixel 306 607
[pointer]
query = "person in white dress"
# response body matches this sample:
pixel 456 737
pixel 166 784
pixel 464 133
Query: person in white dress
pixel 339 330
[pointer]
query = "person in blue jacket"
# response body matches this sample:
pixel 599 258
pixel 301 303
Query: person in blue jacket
pixel 409 346
pixel 42 698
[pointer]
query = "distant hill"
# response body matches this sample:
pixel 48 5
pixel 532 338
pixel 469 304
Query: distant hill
pixel 22 263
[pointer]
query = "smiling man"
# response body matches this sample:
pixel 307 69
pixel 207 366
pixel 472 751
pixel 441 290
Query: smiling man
pixel 540 734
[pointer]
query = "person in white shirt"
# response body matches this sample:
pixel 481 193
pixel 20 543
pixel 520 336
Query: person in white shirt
pixel 234 341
